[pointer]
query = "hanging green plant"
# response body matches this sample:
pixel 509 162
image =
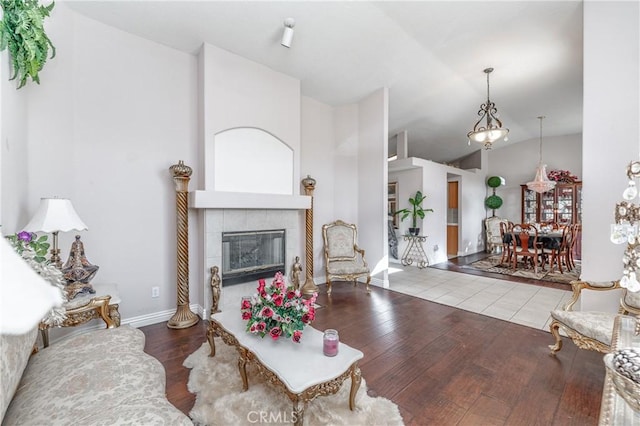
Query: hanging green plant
pixel 22 32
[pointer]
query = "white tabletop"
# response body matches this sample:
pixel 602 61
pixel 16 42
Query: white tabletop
pixel 298 365
pixel 102 289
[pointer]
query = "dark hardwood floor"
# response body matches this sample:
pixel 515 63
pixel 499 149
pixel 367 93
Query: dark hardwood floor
pixel 455 264
pixel 441 365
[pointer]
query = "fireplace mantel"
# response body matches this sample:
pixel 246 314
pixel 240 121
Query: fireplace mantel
pixel 239 200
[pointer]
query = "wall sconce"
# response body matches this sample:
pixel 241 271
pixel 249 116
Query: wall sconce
pixel 287 35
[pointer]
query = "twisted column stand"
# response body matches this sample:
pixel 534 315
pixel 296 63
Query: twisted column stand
pixel 183 318
pixel 309 287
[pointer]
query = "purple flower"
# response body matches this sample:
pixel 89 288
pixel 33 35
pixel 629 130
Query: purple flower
pixel 25 236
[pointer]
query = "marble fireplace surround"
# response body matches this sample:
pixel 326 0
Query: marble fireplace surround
pixel 234 212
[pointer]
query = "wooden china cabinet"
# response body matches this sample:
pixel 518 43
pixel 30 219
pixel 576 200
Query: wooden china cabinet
pixel 562 205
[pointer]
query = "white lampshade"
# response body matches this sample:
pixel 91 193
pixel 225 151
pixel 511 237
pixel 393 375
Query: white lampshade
pixel 53 215
pixel 25 297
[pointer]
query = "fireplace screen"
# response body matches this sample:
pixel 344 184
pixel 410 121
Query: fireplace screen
pixel 252 255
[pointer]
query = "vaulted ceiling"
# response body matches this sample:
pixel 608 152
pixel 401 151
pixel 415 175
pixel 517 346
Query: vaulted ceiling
pixel 430 54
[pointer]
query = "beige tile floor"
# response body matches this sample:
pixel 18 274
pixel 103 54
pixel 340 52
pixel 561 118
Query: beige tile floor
pixel 523 304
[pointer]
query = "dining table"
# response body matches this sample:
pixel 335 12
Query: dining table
pixel 549 240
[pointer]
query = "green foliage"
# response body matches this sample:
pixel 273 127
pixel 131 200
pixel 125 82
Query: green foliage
pixel 495 181
pixel 416 209
pixel 493 202
pixel 28 240
pixel 22 32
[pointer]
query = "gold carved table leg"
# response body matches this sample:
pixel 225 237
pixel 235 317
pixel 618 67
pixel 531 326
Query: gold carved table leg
pixel 242 367
pixel 210 335
pixel 97 308
pixel 298 412
pixel 356 379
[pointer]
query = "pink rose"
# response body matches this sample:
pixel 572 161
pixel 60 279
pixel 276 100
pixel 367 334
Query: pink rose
pixel 275 332
pixel 267 312
pixel 291 294
pixel 261 326
pixel 278 300
pixel 246 304
pixel 297 335
pixel 246 315
pixel 306 318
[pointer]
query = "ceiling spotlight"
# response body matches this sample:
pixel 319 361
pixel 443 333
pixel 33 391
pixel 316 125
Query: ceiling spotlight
pixel 287 35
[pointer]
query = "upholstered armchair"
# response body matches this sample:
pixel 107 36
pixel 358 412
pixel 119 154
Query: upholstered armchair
pixel 492 227
pixel 591 329
pixel 344 260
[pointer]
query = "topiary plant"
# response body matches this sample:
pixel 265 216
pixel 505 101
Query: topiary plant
pixel 494 202
pixel 22 32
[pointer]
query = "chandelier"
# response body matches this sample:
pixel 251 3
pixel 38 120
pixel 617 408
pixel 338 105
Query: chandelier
pixel 541 182
pixel 493 130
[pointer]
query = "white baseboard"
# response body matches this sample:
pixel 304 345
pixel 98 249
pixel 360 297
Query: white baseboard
pixel 156 317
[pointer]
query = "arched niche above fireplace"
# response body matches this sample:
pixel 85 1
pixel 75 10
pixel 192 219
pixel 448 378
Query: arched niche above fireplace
pixel 252 160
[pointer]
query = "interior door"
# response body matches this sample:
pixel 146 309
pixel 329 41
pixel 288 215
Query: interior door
pixel 452 219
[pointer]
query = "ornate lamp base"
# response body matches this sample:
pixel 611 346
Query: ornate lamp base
pixel 183 318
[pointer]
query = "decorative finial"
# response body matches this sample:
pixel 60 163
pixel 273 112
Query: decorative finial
pixel 181 170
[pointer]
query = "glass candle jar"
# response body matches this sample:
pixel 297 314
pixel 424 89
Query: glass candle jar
pixel 330 342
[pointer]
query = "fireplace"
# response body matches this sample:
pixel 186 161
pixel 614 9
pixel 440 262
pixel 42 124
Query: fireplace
pixel 250 255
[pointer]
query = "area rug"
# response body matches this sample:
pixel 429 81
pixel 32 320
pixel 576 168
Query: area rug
pixel 220 400
pixel 492 264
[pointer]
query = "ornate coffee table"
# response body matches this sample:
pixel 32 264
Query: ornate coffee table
pixel 299 369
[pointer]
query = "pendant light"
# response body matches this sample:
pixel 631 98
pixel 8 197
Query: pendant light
pixel 541 182
pixel 492 131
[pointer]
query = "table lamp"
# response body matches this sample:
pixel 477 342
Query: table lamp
pixel 55 215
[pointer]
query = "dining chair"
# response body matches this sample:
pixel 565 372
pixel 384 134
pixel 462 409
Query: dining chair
pixel 559 255
pixel 505 229
pixel 524 239
pixel 576 228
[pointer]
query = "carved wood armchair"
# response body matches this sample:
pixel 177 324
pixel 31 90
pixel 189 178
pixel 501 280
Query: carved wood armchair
pixel 344 260
pixel 591 329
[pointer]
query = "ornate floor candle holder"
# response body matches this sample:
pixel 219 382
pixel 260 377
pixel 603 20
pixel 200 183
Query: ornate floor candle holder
pixel 183 318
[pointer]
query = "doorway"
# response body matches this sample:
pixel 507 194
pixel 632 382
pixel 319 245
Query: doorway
pixel 452 219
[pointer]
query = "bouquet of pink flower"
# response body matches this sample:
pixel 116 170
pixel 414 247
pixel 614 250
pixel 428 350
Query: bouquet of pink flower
pixel 278 310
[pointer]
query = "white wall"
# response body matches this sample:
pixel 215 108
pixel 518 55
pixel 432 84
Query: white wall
pixel 431 178
pixel 242 93
pixel 373 119
pixel 13 151
pixel 611 132
pixel 318 160
pixel 112 113
pixel 346 165
pixel 517 164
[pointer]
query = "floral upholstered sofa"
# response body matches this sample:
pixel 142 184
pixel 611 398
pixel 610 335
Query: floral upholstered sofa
pixel 102 377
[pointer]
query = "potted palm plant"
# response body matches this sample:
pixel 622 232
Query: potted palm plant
pixel 416 211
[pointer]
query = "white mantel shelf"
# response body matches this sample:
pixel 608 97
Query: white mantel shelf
pixel 238 200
